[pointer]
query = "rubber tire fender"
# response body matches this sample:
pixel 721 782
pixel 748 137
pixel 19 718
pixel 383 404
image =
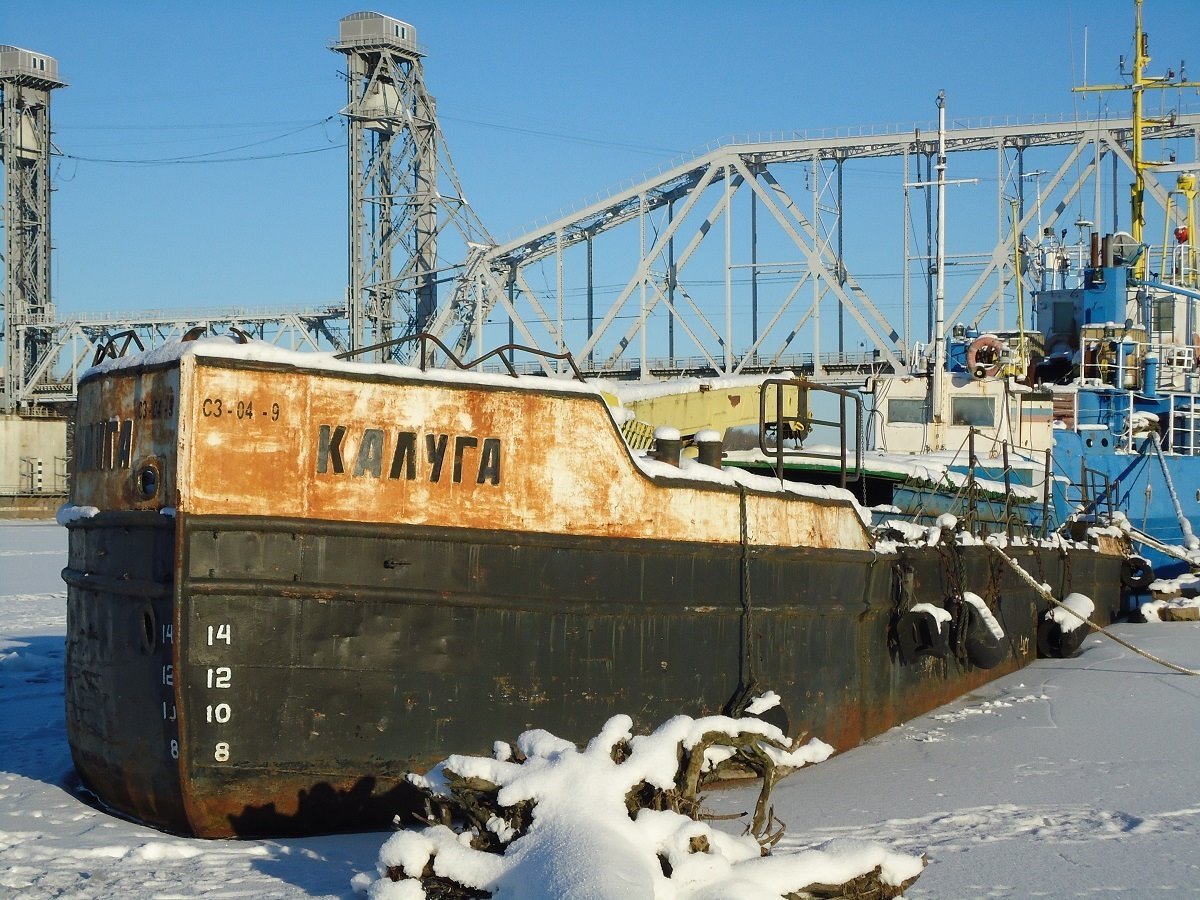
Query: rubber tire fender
pixel 1054 643
pixel 917 635
pixel 1136 573
pixel 984 649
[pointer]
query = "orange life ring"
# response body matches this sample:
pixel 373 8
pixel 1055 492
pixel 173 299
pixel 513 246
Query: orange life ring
pixel 984 356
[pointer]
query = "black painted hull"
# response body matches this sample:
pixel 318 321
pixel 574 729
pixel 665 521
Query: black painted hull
pixel 244 675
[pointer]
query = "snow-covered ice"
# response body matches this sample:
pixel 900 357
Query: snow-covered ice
pixel 1069 778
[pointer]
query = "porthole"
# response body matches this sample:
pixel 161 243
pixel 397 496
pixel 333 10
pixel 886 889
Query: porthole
pixel 147 482
pixel 149 630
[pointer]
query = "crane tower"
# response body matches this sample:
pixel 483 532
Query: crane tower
pixel 403 188
pixel 26 80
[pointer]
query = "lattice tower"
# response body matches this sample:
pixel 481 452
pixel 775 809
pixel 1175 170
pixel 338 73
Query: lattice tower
pixel 403 189
pixel 26 80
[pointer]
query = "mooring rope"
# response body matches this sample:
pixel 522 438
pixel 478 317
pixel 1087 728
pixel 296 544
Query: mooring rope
pixel 1044 592
pixel 1189 538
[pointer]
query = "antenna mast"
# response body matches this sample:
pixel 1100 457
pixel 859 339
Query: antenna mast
pixel 939 328
pixel 1138 86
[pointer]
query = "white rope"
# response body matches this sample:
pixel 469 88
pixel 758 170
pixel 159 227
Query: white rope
pixel 1139 536
pixel 1189 539
pixel 1044 592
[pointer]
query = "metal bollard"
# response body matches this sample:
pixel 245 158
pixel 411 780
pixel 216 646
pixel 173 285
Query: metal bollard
pixel 709 447
pixel 667 445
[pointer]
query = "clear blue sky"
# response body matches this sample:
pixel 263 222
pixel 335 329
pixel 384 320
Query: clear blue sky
pixel 542 105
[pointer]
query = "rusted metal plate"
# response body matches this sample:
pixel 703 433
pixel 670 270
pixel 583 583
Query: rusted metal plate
pixel 125 440
pixel 331 447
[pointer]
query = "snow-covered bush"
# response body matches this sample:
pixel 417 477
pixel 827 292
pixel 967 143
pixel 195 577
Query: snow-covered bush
pixel 620 819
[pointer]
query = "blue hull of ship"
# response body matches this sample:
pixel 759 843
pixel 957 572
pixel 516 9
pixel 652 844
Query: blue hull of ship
pixel 1133 483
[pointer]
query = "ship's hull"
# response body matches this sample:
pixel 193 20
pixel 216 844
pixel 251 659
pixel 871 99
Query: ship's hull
pixel 239 673
pixel 297 670
pixel 1151 492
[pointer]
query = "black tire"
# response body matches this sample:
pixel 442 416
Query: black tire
pixel 917 635
pixel 1136 573
pixel 1054 643
pixel 984 649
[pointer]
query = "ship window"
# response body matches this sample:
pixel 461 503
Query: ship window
pixel 977 411
pixel 1164 313
pixel 1064 319
pixel 908 410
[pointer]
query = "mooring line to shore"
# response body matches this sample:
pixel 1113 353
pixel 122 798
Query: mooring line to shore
pixel 1044 592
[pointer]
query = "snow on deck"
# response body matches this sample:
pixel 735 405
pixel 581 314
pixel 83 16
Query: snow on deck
pixel 932 468
pixel 224 347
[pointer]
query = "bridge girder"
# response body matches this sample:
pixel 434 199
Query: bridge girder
pixel 73 343
pixel 501 277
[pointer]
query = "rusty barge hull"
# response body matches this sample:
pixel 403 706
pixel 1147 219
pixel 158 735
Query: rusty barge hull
pixel 275 655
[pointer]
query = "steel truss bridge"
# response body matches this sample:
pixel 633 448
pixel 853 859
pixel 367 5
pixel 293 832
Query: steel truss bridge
pixel 741 259
pixel 693 271
pixel 78 340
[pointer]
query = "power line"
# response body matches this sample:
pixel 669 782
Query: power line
pixel 182 127
pixel 562 136
pixel 183 161
pixel 214 156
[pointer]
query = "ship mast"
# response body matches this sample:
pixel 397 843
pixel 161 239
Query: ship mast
pixel 939 328
pixel 1141 57
pixel 1138 86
